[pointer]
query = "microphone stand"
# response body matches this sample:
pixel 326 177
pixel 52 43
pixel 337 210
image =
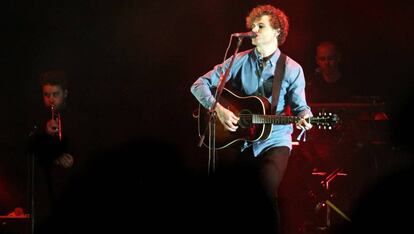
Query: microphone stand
pixel 31 191
pixel 30 155
pixel 213 115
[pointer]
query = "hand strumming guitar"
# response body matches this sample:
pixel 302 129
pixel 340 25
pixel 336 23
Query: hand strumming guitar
pixel 227 118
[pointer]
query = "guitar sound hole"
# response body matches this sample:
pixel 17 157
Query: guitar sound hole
pixel 245 118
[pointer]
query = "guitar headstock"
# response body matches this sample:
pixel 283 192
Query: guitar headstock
pixel 324 120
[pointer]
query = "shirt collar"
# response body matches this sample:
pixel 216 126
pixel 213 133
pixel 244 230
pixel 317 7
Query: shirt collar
pixel 273 59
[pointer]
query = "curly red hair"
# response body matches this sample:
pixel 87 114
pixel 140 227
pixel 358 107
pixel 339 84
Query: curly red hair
pixel 278 20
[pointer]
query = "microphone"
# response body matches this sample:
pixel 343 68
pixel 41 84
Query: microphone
pixel 245 34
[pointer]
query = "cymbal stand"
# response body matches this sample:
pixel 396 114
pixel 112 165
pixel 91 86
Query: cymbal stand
pixel 327 204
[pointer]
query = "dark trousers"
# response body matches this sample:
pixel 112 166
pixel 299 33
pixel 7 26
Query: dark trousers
pixel 254 182
pixel 271 167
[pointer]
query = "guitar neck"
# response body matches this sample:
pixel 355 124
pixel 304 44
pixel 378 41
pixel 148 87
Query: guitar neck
pixel 325 121
pixel 273 119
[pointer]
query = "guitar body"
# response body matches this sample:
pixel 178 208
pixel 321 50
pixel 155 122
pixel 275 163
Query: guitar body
pixel 243 107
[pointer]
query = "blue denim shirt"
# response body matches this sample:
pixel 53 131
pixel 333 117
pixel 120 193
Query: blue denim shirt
pixel 246 77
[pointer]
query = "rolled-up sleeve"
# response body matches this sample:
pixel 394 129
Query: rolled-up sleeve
pixel 201 88
pixel 297 97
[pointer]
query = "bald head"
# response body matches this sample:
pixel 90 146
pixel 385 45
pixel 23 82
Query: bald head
pixel 328 58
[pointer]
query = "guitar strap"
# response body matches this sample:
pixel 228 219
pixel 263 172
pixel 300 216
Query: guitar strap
pixel 277 81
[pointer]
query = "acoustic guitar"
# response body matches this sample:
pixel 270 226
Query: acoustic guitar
pixel 255 121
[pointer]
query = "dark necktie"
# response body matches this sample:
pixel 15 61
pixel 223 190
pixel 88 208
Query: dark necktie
pixel 260 66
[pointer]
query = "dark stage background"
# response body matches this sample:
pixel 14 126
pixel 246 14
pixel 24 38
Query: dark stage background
pixel 131 64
